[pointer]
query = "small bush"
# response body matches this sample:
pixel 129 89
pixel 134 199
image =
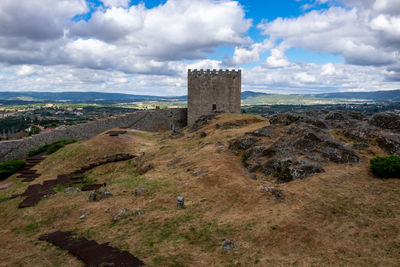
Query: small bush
pixel 10 167
pixel 51 148
pixel 386 167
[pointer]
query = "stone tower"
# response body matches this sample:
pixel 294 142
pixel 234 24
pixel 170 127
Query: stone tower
pixel 213 91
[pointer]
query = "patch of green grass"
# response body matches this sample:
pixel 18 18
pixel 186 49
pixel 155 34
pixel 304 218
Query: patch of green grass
pixel 386 167
pixel 8 168
pixel 51 148
pixel 179 260
pixel 31 229
pixel 144 135
pixel 59 188
pixel 137 181
pixel 187 228
pixel 3 199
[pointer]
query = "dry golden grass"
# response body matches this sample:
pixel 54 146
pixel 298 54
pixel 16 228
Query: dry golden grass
pixel 341 217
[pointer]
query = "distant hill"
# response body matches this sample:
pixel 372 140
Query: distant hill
pixel 248 97
pixel 254 98
pixel 83 97
pixel 392 95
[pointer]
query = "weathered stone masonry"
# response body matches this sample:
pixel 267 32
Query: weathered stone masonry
pixel 210 91
pixel 154 120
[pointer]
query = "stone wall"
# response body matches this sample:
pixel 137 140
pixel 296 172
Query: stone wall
pixel 154 120
pixel 210 91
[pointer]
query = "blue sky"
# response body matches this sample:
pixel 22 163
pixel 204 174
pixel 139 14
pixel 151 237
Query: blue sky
pixel 145 47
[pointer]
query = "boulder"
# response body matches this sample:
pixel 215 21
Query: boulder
pixel 290 169
pixel 360 132
pixel 120 214
pixel 242 143
pixel 335 115
pixel 144 168
pixel 267 131
pixel 315 122
pixel 275 193
pixel 389 143
pixel 228 245
pixel 386 120
pixel 140 191
pixel 99 195
pixel 338 153
pixel 201 122
pixel 284 118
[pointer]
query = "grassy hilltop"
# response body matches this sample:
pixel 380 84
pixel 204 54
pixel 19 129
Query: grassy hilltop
pixel 342 216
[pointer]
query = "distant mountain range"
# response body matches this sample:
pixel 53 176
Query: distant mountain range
pixel 83 97
pixel 392 95
pixel 248 97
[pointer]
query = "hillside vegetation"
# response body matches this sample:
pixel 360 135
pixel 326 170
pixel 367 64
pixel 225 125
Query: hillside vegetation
pixel 341 215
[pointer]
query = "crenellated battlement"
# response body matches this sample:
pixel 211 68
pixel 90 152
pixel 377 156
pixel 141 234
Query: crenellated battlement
pixel 214 72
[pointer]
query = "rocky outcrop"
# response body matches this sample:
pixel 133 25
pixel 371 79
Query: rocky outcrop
pixel 284 119
pixel 299 149
pixel 361 132
pixel 386 120
pixel 243 143
pixel 201 122
pixel 389 143
pixel 267 131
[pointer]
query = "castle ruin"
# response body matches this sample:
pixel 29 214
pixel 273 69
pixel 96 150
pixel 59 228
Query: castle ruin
pixel 213 91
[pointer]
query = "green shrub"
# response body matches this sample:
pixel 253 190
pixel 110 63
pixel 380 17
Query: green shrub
pixel 51 148
pixel 386 167
pixel 10 167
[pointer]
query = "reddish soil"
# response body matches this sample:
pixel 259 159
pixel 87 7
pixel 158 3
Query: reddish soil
pixel 27 173
pixel 90 252
pixel 35 192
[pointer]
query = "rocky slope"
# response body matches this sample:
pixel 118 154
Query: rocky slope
pixel 287 190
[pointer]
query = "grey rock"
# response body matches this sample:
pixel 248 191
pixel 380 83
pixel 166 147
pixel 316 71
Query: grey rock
pixel 174 161
pixel 138 212
pixel 200 173
pixel 284 118
pixel 99 195
pixel 360 146
pixel 335 115
pixel 72 190
pixel 389 143
pixel 201 122
pixel 120 214
pixel 228 245
pixel 315 122
pixel 92 196
pixel 140 191
pixel 267 131
pixel 361 132
pixel 291 168
pixel 144 168
pixel 181 202
pixel 252 176
pixel 242 143
pixel 386 120
pixel 276 194
pixel 338 153
pixel 83 215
